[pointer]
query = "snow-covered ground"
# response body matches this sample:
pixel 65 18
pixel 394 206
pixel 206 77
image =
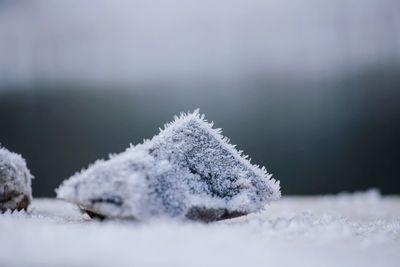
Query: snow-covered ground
pixel 361 229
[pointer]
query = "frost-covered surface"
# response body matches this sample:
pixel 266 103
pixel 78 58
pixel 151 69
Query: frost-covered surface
pixel 347 230
pixel 15 181
pixel 188 170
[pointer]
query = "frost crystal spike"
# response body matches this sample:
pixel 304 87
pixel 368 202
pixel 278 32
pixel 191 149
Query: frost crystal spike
pixel 189 170
pixel 15 182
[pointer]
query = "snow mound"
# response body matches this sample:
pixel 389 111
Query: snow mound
pixel 188 170
pixel 15 182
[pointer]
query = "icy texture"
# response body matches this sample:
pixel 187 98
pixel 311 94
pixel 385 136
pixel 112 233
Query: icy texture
pixel 347 230
pixel 187 170
pixel 15 181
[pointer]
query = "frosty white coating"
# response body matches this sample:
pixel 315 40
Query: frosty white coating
pixel 188 170
pixel 15 182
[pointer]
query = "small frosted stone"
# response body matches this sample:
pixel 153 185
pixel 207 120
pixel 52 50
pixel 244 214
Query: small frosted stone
pixel 189 170
pixel 15 182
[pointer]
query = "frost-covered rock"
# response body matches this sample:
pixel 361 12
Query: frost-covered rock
pixel 15 182
pixel 188 170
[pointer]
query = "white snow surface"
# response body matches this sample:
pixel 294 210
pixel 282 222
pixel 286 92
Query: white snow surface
pixel 188 170
pixel 361 229
pixel 15 178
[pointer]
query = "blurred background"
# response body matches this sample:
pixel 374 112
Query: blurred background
pixel 308 88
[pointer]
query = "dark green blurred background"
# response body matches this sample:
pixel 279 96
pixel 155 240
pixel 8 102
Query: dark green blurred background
pixel 337 134
pixel 310 89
